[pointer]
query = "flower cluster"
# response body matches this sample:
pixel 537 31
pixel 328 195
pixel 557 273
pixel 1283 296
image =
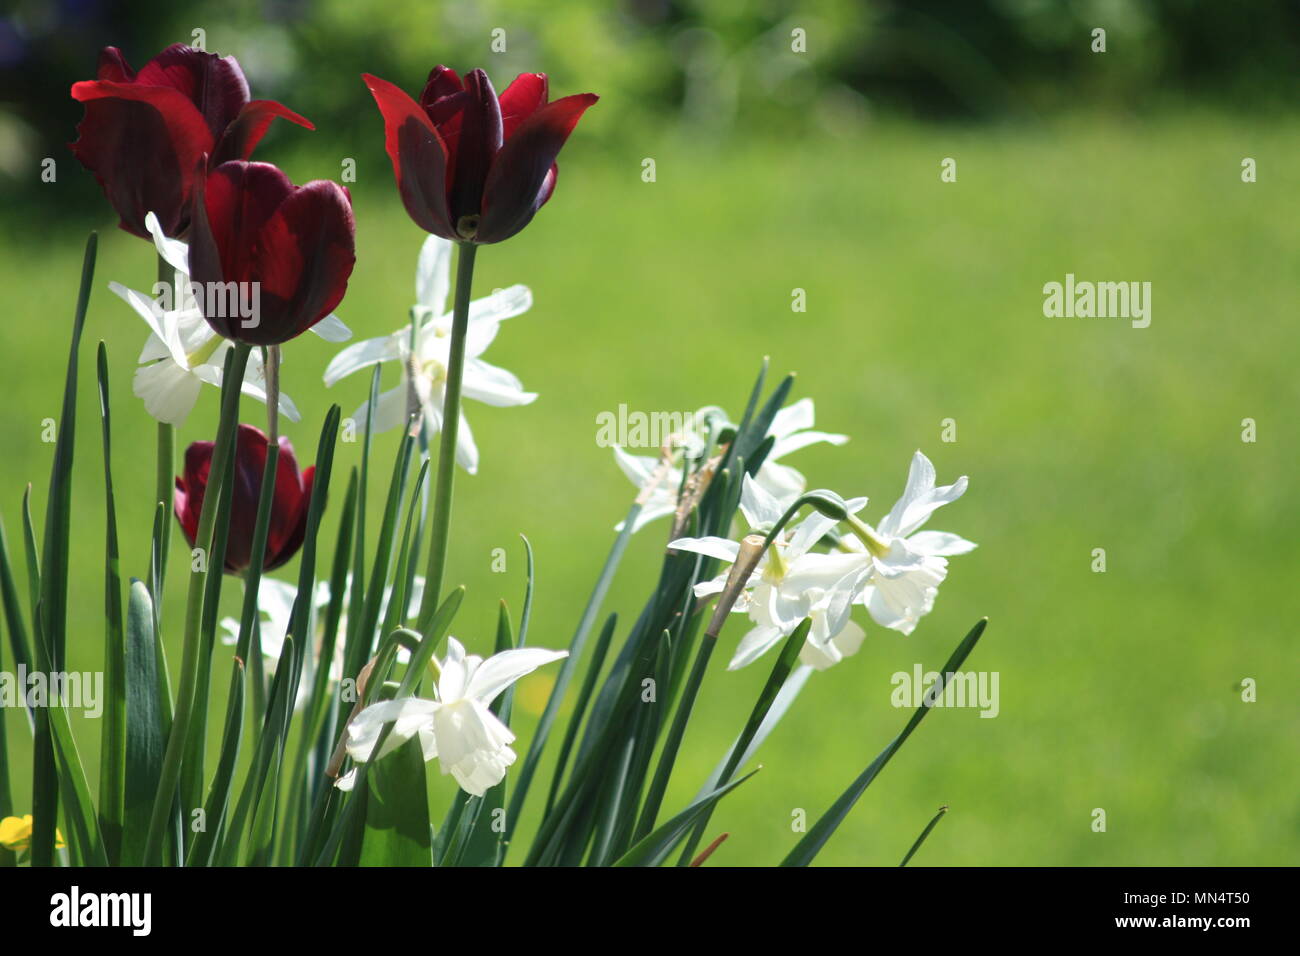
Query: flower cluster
pixel 893 570
pixel 248 262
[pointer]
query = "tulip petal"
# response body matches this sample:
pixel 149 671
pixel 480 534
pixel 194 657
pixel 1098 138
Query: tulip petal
pixel 480 141
pixel 144 144
pixel 515 186
pixel 418 155
pixel 214 84
pixel 113 66
pixel 247 129
pixel 521 99
pixel 309 252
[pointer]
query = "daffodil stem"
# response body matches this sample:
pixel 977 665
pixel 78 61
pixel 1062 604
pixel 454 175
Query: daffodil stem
pixel 440 526
pixel 213 496
pixel 271 365
pixel 163 475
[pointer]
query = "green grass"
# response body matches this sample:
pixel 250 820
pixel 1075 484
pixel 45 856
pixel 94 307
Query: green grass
pixel 1118 690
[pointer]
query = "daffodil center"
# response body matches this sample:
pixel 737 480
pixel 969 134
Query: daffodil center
pixel 433 371
pixel 204 351
pixel 776 565
pixel 873 542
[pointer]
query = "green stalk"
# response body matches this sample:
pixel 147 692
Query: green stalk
pixel 176 740
pixel 163 481
pixel 440 527
pixel 112 776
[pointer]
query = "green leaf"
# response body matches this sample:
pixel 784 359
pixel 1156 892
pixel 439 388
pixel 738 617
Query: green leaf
pixel 357 645
pixel 785 663
pixel 789 692
pixel 51 618
pixel 808 847
pixel 924 833
pixel 112 752
pixel 13 611
pixel 580 706
pixel 654 848
pixel 576 646
pixel 672 743
pixel 397 811
pixel 145 734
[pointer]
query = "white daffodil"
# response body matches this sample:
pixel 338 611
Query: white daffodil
pixel 788 584
pixel 425 365
pixel 471 743
pixel 903 566
pixel 791 430
pixel 183 351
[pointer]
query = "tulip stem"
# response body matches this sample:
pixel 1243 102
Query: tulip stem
pixel 440 527
pixel 214 495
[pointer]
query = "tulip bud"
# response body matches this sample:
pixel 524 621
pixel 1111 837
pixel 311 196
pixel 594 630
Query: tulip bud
pixel 145 134
pixel 289 504
pixel 472 166
pixel 268 259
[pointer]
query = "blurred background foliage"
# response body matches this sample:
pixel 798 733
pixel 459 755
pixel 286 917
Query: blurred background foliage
pixel 703 69
pixel 820 171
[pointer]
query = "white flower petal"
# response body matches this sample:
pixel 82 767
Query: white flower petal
pixel 502 304
pixel 174 252
pixel 410 714
pixel 389 413
pixel 501 670
pixel 332 329
pixel 761 509
pixel 754 645
pixel 433 274
pixel 720 548
pixel 493 386
pixel 169 391
pixel 940 542
pixel 364 354
pixel 845 644
pixel 793 443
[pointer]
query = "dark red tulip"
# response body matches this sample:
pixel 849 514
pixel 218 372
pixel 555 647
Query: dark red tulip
pixel 252 225
pixel 144 134
pixel 471 166
pixel 288 506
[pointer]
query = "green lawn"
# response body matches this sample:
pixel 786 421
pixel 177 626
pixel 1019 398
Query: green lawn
pixel 924 302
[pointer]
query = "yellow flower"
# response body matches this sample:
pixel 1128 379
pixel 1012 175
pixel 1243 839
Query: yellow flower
pixel 16 833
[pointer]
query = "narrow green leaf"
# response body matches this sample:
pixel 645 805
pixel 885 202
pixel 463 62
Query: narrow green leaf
pixel 654 848
pixel 13 611
pixel 576 646
pixel 812 842
pixel 112 747
pixel 785 663
pixel 580 707
pixel 51 619
pixel 924 833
